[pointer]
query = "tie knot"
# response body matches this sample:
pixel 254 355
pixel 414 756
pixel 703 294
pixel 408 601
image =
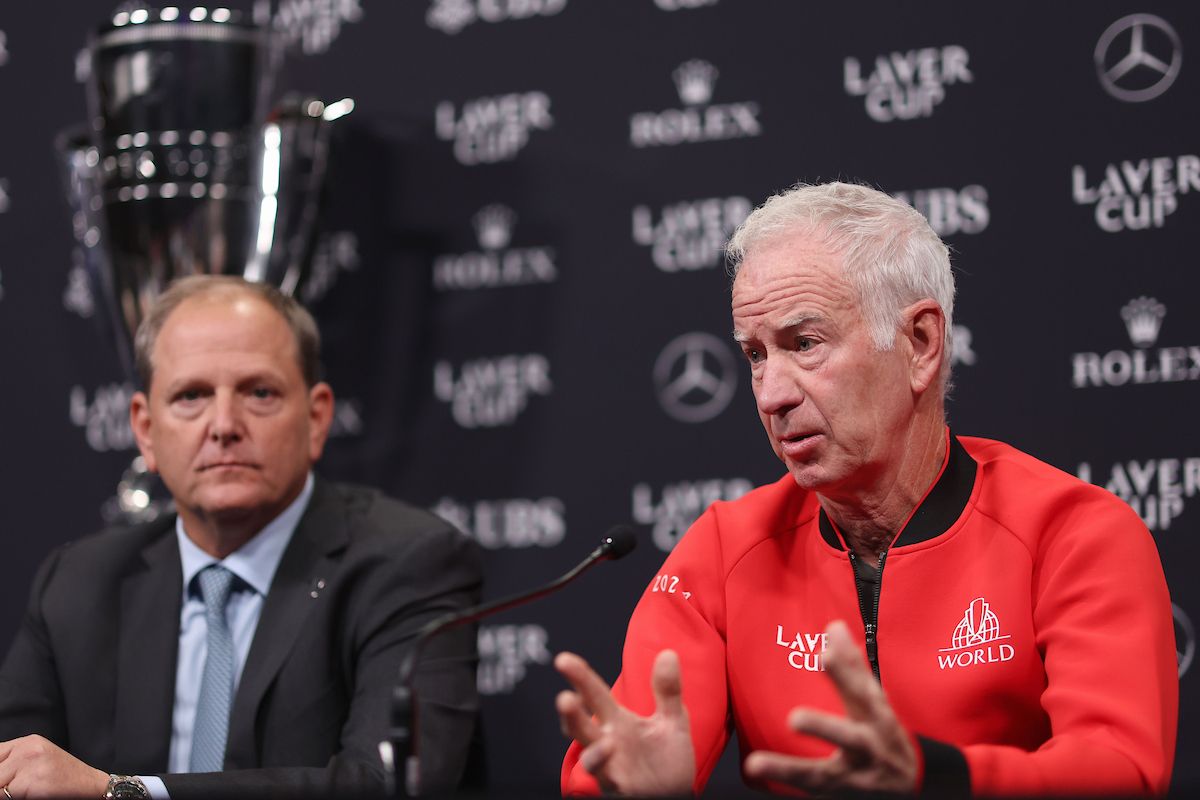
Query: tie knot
pixel 215 584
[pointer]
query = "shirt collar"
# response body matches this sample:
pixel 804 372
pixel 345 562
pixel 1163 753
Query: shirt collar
pixel 255 562
pixel 940 508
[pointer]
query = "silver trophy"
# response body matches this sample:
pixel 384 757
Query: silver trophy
pixel 186 168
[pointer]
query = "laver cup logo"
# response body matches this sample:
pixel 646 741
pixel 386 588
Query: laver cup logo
pixel 491 129
pixel 1136 195
pixel 1143 318
pixel 1156 488
pixel 906 85
pixel 976 640
pixel 1138 58
pixel 315 24
pixel 491 392
pixel 689 235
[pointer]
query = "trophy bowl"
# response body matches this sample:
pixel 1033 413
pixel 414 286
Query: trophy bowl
pixel 186 168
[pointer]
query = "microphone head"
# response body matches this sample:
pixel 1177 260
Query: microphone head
pixel 618 542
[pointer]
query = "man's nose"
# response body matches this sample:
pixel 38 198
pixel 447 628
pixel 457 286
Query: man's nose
pixel 226 423
pixel 778 388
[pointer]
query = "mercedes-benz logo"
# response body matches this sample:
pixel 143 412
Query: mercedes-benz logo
pixel 695 376
pixel 1185 639
pixel 1138 58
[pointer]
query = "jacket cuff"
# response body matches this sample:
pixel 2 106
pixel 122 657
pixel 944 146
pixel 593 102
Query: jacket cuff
pixel 944 773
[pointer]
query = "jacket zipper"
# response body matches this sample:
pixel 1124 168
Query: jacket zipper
pixel 870 616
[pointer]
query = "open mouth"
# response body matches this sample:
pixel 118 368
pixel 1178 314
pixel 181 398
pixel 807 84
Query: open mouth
pixel 798 443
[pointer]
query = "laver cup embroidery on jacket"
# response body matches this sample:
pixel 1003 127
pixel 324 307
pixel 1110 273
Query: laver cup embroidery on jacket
pixel 976 640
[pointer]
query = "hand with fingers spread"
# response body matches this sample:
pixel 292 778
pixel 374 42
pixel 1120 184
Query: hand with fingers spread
pixel 626 752
pixel 874 754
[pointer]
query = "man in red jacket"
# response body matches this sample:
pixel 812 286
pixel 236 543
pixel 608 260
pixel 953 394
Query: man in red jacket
pixel 906 610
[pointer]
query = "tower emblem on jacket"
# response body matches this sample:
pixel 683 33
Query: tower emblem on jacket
pixel 976 639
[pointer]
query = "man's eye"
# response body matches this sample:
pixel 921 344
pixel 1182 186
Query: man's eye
pixel 188 396
pixel 804 344
pixel 263 393
pixel 753 355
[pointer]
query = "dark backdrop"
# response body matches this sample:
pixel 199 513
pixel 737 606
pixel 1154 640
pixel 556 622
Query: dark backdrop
pixel 519 274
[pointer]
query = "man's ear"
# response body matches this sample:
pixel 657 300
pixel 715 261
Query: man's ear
pixel 139 420
pixel 320 417
pixel 925 327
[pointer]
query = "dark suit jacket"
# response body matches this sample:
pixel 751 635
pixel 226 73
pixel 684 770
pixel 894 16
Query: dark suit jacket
pixel 93 665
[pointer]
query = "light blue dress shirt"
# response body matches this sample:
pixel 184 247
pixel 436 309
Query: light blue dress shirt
pixel 254 564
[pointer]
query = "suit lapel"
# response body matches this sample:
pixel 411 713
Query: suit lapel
pixel 308 557
pixel 147 647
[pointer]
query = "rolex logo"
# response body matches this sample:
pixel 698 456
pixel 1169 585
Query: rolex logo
pixel 694 80
pixel 1143 319
pixel 493 226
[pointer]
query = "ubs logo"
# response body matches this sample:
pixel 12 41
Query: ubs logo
pixel 698 121
pixel 1138 58
pixel 514 523
pixel 951 211
pixel 451 16
pixel 695 376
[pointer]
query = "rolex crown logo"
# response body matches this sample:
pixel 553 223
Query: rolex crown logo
pixel 694 80
pixel 1143 319
pixel 493 226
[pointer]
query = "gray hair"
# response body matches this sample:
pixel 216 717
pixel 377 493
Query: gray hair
pixel 301 323
pixel 891 257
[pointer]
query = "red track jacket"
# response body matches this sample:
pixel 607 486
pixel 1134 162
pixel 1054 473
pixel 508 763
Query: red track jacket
pixel 1024 630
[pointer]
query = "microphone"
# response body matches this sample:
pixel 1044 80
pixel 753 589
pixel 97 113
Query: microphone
pixel 400 746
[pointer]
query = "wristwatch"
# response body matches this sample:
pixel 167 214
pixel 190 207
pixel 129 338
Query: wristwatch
pixel 125 787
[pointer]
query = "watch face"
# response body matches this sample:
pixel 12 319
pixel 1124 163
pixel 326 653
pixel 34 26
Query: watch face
pixel 128 789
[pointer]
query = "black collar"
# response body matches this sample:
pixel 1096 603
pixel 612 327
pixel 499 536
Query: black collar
pixel 940 509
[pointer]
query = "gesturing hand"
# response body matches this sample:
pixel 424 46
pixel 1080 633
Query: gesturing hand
pixel 628 753
pixel 35 767
pixel 874 751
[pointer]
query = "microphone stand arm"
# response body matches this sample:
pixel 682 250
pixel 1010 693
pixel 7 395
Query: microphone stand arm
pixel 399 751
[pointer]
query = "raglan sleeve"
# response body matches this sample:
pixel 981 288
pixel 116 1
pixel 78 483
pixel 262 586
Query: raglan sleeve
pixel 683 609
pixel 1103 622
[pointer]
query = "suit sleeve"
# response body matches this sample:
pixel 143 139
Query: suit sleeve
pixel 1102 617
pixel 391 601
pixel 683 609
pixel 30 697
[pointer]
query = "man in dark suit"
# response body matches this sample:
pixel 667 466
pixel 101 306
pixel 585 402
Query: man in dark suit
pixel 249 645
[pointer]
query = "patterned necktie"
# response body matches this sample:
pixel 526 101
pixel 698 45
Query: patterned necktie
pixel 216 686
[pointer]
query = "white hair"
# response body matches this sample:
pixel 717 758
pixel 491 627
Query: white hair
pixel 890 255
